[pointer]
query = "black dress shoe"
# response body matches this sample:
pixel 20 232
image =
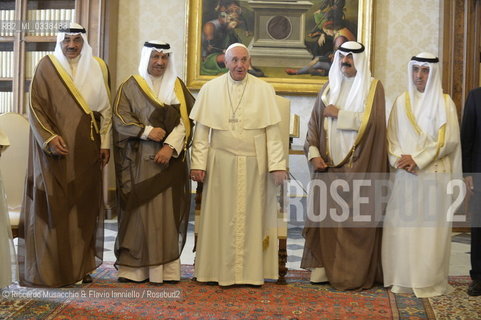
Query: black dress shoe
pixel 125 280
pixel 87 279
pixel 165 281
pixel 171 281
pixel 474 289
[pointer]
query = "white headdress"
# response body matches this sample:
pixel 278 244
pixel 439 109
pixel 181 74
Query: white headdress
pixel 85 54
pixel 166 92
pixel 361 84
pixel 429 111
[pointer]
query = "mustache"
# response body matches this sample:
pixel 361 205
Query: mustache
pixel 346 64
pixel 71 49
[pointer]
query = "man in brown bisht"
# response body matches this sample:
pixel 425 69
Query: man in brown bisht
pixel 61 223
pixel 152 131
pixel 345 144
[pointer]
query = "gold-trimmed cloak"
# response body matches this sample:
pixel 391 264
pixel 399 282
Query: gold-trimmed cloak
pixel 154 200
pixel 349 253
pixel 61 223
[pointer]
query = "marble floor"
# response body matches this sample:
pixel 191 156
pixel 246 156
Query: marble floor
pixel 459 262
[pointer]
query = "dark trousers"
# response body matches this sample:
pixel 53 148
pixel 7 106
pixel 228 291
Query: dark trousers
pixel 476 252
pixel 476 236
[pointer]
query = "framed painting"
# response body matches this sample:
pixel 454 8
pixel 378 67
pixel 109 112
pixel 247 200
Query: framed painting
pixel 291 42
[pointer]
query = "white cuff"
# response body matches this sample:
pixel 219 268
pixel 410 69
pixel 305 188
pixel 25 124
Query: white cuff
pixel 313 153
pixel 145 134
pixel 105 142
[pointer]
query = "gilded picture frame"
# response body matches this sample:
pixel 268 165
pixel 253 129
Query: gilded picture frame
pixel 287 28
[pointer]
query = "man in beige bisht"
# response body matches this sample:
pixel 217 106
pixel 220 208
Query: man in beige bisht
pixel 237 152
pixel 346 140
pixel 61 223
pixel 425 152
pixel 151 134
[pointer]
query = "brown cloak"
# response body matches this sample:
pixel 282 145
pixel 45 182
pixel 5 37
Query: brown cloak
pixel 61 223
pixel 154 200
pixel 350 253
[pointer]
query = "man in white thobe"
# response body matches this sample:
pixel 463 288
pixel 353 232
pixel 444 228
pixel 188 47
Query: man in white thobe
pixel 7 250
pixel 425 152
pixel 237 153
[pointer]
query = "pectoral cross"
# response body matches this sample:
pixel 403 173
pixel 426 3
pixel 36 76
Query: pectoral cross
pixel 233 120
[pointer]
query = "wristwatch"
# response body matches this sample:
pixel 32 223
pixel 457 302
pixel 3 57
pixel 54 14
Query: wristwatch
pixel 169 146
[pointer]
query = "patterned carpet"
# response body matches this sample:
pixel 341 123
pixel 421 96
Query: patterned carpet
pixel 457 305
pixel 191 300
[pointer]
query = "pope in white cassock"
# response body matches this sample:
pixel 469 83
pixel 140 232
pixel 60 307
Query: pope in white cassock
pixel 237 152
pixel 424 150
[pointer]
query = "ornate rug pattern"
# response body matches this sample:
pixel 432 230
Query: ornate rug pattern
pixel 296 300
pixel 457 305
